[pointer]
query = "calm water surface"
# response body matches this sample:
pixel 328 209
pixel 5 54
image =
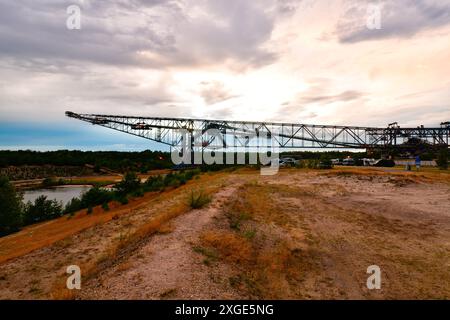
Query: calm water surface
pixel 62 193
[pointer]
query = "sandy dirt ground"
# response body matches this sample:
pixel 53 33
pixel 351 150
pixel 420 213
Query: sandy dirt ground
pixel 301 234
pixel 166 266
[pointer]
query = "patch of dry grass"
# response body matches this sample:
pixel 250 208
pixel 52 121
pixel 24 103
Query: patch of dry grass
pixel 122 247
pixel 166 228
pixel 425 175
pixel 168 294
pixel 124 266
pixel 253 238
pixel 198 199
pixel 232 247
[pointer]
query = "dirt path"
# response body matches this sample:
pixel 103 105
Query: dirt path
pixel 166 266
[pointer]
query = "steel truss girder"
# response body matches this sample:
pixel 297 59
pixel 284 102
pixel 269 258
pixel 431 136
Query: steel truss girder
pixel 238 134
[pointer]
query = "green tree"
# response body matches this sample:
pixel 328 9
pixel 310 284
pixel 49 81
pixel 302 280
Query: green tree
pixel 48 182
pixel 73 205
pixel 130 183
pixel 42 210
pixel 325 162
pixel 95 196
pixel 97 168
pixel 154 183
pixel 10 207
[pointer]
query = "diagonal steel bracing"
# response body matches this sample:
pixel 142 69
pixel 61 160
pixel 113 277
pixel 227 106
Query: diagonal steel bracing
pixel 238 134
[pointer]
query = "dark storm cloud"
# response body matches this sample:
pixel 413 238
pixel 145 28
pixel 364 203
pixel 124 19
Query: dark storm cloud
pixel 125 54
pixel 400 18
pixel 115 32
pixel 37 30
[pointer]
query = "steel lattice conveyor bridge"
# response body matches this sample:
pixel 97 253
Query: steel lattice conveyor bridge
pixel 244 134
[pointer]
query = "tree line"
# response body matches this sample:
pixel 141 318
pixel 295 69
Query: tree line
pixel 117 161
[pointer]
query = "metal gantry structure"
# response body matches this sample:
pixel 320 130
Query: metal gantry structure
pixel 248 134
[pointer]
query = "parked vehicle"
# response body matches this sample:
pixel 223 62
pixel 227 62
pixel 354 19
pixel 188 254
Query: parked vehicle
pixel 368 162
pixel 281 163
pixel 336 162
pixel 348 162
pixel 325 164
pixel 289 161
pixel 384 163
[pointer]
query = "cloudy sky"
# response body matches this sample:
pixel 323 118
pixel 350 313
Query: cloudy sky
pixel 306 61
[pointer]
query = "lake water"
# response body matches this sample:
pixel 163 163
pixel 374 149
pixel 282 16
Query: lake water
pixel 62 193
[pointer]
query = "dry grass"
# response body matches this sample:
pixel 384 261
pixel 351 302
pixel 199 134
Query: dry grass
pixel 127 243
pixel 232 247
pixel 44 234
pixel 301 234
pixel 309 241
pixel 267 263
pixel 168 294
pixel 124 245
pixel 425 175
pixel 198 199
pixel 166 228
pixel 124 266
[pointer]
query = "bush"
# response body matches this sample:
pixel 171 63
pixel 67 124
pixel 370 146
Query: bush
pixel 51 182
pixel 42 210
pixel 313 164
pixel 130 183
pixel 325 162
pixel 190 174
pixel 10 207
pixel 442 160
pixel 158 183
pixel 48 182
pixel 182 180
pixel 123 199
pixel 105 206
pixel 138 193
pixel 198 199
pixel 169 179
pixel 174 183
pixel 154 184
pixel 301 164
pixel 143 169
pixel 95 196
pixel 73 206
